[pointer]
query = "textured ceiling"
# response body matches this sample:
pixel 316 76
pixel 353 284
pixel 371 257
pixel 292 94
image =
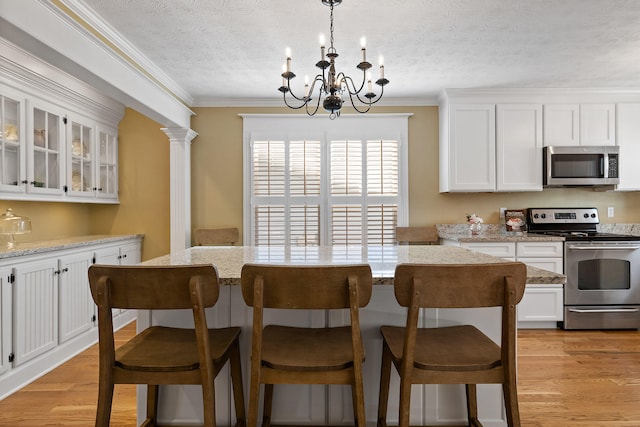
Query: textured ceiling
pixel 225 50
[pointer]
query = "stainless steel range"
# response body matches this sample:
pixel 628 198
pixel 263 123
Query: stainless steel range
pixel 602 269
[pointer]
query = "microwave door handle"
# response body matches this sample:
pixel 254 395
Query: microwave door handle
pixel 602 163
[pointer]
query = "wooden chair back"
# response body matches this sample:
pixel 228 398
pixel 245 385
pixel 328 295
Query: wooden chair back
pixel 422 235
pixel 216 236
pixel 152 287
pixel 459 286
pixel 306 287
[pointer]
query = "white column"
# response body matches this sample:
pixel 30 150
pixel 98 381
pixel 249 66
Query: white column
pixel 180 181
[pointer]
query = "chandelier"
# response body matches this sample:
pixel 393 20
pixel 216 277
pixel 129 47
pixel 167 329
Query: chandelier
pixel 333 85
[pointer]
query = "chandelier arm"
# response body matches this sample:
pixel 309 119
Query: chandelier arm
pixel 355 106
pixel 346 79
pixel 293 107
pixel 301 99
pixel 317 104
pixel 357 94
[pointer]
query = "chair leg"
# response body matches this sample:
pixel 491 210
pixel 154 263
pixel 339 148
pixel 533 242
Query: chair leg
pixel 472 403
pixel 511 403
pixel 357 396
pixel 268 404
pixel 152 402
pixel 236 379
pixel 209 403
pixel 385 378
pixel 105 399
pixel 405 401
pixel 254 395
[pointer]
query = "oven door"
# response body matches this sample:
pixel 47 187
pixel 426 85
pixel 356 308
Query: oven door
pixel 602 273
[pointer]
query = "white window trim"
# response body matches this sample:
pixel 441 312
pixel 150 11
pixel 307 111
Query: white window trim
pixel 369 126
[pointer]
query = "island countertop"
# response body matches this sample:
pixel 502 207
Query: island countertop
pixel 382 259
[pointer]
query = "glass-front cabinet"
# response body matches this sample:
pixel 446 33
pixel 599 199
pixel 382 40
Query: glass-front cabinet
pixel 46 149
pixel 107 171
pixel 80 141
pixel 12 143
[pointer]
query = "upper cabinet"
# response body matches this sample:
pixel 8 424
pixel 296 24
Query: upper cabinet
pixel 484 151
pixel 579 124
pixel 57 143
pixel 628 128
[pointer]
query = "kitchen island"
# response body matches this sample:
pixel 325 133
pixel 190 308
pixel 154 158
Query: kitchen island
pixel 317 404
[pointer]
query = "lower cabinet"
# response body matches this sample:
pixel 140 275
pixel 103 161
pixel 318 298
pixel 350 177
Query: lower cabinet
pixel 542 304
pixel 6 331
pixel 48 314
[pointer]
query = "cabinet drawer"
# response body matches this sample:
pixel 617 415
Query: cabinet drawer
pixel 540 249
pixel 549 264
pixel 499 249
pixel 541 303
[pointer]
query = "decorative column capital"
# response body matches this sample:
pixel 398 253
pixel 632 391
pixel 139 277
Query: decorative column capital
pixel 180 134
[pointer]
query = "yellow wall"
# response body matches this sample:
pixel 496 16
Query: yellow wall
pixel 143 155
pixel 217 177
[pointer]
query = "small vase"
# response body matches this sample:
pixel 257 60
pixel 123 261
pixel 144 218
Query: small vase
pixel 475 228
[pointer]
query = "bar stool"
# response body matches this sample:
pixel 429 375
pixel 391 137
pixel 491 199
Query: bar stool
pixel 216 236
pixel 458 354
pixel 283 354
pixel 422 235
pixel 163 355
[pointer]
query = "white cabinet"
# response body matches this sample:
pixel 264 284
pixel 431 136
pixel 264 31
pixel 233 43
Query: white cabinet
pixel 519 147
pixel 45 149
pixel 467 147
pixel 47 311
pixel 597 124
pixel 628 131
pixel 484 147
pixel 561 124
pixel 76 307
pixel 5 320
pixel 35 311
pixel 12 141
pixel 542 304
pixel 56 143
pixel 127 254
pixel 579 124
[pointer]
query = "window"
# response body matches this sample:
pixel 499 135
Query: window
pixel 312 181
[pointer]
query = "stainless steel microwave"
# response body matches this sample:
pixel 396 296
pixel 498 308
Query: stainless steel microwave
pixel 581 166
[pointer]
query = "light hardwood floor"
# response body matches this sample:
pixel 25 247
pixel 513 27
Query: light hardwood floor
pixel 566 379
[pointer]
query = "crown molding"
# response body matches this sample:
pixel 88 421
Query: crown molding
pixel 277 102
pixel 126 50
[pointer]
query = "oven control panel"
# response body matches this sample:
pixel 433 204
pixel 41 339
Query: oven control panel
pixel 563 216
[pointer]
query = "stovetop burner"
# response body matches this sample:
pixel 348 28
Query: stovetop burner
pixel 570 223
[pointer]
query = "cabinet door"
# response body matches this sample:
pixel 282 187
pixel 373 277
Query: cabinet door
pixel 130 254
pixel 107 169
pixel 597 124
pixel 472 147
pixel 541 303
pixel 35 311
pixel 550 264
pixel 561 124
pixel 76 308
pixel 5 320
pixel 45 142
pixel 499 249
pixel 628 130
pixel 80 160
pixel 12 142
pixel 519 147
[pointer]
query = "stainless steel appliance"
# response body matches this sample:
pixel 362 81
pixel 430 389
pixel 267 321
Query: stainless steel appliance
pixel 602 269
pixel 581 166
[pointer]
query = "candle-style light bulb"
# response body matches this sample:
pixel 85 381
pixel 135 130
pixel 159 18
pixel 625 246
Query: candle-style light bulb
pixel 369 82
pixel 321 38
pixel 363 43
pixel 287 52
pixel 306 86
pixel 381 62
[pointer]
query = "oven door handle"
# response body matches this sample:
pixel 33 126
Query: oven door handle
pixel 604 248
pixel 604 310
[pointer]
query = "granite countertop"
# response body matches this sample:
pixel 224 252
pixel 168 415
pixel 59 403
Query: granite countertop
pixel 31 248
pixel 382 259
pixel 490 233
